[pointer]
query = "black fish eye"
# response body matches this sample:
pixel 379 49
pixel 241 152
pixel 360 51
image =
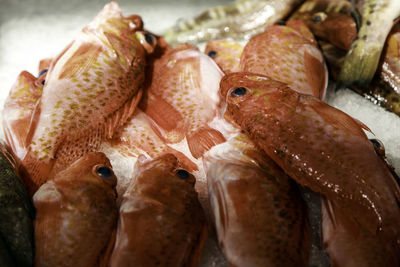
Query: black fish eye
pixel 104 172
pixel 149 38
pixel 43 72
pixel 378 146
pixel 239 91
pixel 182 174
pixel 212 54
pixel 316 18
pixel 281 22
pixel 43 82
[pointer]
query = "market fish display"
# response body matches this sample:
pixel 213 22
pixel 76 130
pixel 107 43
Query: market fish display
pixel 91 89
pixel 183 98
pixel 16 215
pixel 288 54
pixel 76 214
pixel 239 20
pixel 309 139
pixel 226 53
pixel 362 59
pixel 161 220
pixel 258 213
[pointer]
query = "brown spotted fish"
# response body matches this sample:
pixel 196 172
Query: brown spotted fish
pixel 91 89
pixel 319 147
pixel 288 54
pixel 183 98
pixel 258 213
pixel 76 214
pixel 161 221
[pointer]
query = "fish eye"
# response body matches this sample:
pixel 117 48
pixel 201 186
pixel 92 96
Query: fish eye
pixel 238 91
pixel 320 16
pixel 378 146
pixel 183 174
pixel 43 82
pixel 281 22
pixel 103 171
pixel 147 40
pixel 212 54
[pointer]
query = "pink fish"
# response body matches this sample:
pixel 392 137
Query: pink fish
pixel 319 147
pixel 226 53
pixel 288 54
pixel 183 98
pixel 91 89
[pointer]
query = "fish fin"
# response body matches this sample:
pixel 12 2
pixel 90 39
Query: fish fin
pixel 337 118
pixel 317 74
pixel 184 161
pixel 203 139
pixel 34 172
pixel 166 117
pixel 120 117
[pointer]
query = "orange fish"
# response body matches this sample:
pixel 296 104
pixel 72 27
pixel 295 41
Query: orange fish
pixel 288 54
pixel 319 147
pixel 183 98
pixel 91 89
pixel 258 213
pixel 226 53
pixel 76 213
pixel 161 220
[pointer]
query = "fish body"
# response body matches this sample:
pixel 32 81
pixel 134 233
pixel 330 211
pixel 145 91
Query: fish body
pixel 258 213
pixel 329 20
pixel 226 53
pixel 161 220
pixel 183 98
pixel 361 61
pixel 239 20
pixel 319 147
pixel 76 213
pixel 16 215
pixel 288 54
pixel 350 245
pixel 91 89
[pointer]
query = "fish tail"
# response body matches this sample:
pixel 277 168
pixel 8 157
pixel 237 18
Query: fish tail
pixel 202 140
pixel 34 172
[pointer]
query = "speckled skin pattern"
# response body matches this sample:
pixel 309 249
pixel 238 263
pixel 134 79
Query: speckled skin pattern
pixel 76 214
pixel 319 147
pixel 161 220
pixel 288 54
pixel 226 53
pixel 258 213
pixel 16 215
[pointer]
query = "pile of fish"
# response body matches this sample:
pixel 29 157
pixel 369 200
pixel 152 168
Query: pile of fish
pixel 218 141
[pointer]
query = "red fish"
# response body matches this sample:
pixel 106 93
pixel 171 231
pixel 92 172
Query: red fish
pixel 226 53
pixel 76 214
pixel 288 54
pixel 258 213
pixel 161 220
pixel 319 147
pixel 183 98
pixel 91 89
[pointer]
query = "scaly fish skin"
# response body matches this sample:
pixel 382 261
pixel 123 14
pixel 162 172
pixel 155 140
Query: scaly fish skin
pixel 288 54
pixel 91 89
pixel 258 213
pixel 183 98
pixel 362 59
pixel 16 213
pixel 76 213
pixel 161 220
pixel 319 147
pixel 239 20
pixel 226 53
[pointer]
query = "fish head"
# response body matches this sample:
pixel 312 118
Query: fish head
pixel 166 165
pixel 226 53
pixel 92 169
pixel 248 93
